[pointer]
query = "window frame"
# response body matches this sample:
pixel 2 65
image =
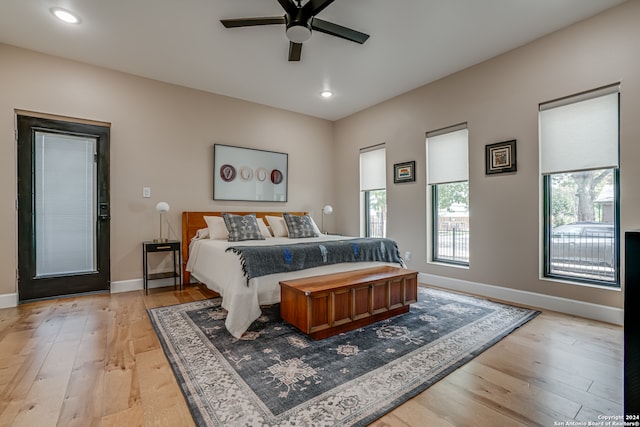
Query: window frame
pixel 548 171
pixel 436 177
pixel 434 228
pixel 369 187
pixel 367 217
pixel 547 214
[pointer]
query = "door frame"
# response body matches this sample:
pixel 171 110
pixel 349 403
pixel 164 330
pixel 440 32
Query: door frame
pixel 31 287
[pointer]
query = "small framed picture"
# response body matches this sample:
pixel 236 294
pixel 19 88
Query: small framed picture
pixel 501 157
pixel 404 172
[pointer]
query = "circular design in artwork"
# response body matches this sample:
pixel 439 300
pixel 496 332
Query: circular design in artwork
pixel 276 176
pixel 261 174
pixel 227 173
pixel 246 173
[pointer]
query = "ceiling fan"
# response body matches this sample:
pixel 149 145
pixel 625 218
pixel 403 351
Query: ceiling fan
pixel 299 21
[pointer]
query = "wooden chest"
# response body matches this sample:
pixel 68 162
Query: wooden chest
pixel 322 306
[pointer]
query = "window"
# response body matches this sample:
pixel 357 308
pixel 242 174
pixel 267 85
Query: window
pixel 579 160
pixel 448 179
pixel 373 183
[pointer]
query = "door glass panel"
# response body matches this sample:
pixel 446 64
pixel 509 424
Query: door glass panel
pixel 65 204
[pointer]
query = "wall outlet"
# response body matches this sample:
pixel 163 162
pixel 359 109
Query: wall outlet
pixel 146 192
pixel 407 256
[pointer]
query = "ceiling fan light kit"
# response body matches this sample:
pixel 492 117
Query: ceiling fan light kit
pixel 298 33
pixel 300 21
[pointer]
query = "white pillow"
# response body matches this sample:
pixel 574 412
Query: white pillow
pixel 203 233
pixel 278 226
pixel 263 228
pixel 217 227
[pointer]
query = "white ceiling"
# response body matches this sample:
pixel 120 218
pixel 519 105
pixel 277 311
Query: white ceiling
pixel 412 42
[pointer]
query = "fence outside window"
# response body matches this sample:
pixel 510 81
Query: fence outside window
pixel 453 243
pixel 583 250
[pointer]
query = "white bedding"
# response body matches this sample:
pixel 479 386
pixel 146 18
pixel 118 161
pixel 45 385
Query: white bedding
pixel 221 272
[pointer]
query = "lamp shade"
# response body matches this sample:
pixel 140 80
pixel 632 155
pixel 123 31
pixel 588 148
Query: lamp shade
pixel 162 207
pixel 327 209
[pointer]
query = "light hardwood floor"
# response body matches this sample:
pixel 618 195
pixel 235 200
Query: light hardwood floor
pixel 96 361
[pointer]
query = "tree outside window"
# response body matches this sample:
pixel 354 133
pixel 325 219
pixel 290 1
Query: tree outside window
pixel 376 209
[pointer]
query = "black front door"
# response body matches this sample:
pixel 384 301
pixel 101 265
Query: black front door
pixel 63 208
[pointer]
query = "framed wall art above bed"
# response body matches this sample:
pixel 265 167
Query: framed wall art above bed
pixel 248 174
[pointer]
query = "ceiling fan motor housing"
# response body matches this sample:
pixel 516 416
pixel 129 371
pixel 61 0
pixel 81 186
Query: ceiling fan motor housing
pixel 298 28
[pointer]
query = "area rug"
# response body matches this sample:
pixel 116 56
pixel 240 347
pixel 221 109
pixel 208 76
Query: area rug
pixel 277 376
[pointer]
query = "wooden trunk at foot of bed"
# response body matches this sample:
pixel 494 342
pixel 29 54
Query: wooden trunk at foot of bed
pixel 326 305
pixel 194 221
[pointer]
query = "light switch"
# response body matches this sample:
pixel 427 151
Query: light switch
pixel 146 192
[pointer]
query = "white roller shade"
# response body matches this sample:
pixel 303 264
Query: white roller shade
pixel 373 175
pixel 448 157
pixel 579 135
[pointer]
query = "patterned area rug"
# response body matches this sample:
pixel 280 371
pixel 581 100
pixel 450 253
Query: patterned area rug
pixel 277 376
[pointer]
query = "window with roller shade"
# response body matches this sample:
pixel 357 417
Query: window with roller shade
pixel 579 164
pixel 373 184
pixel 448 180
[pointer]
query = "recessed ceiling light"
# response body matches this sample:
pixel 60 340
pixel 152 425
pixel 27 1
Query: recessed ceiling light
pixel 326 94
pixel 65 15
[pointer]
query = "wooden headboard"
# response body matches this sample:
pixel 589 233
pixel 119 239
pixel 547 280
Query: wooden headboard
pixel 194 221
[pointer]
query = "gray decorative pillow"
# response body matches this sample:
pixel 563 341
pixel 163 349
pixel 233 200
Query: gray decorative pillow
pixel 299 226
pixel 242 227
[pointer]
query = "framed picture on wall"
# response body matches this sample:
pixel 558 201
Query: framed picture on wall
pixel 248 174
pixel 500 157
pixel 404 172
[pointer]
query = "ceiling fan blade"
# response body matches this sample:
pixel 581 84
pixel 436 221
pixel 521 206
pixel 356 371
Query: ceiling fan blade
pixel 338 31
pixel 250 22
pixel 313 7
pixel 295 51
pixel 289 6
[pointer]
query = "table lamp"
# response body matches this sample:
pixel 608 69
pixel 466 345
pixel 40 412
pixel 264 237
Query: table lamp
pixel 326 210
pixel 163 208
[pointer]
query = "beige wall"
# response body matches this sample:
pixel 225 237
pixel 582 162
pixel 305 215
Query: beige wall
pixel 162 136
pixel 499 100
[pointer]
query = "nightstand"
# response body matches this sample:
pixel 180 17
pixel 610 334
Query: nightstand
pixel 168 246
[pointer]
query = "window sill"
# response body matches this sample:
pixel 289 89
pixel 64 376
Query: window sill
pixel 448 264
pixel 612 287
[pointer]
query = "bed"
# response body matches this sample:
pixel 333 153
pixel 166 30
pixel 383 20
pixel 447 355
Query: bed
pixel 208 261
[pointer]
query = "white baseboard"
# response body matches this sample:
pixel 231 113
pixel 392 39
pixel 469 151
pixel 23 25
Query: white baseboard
pixel 138 284
pixel 8 300
pixel 588 310
pixel 11 300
